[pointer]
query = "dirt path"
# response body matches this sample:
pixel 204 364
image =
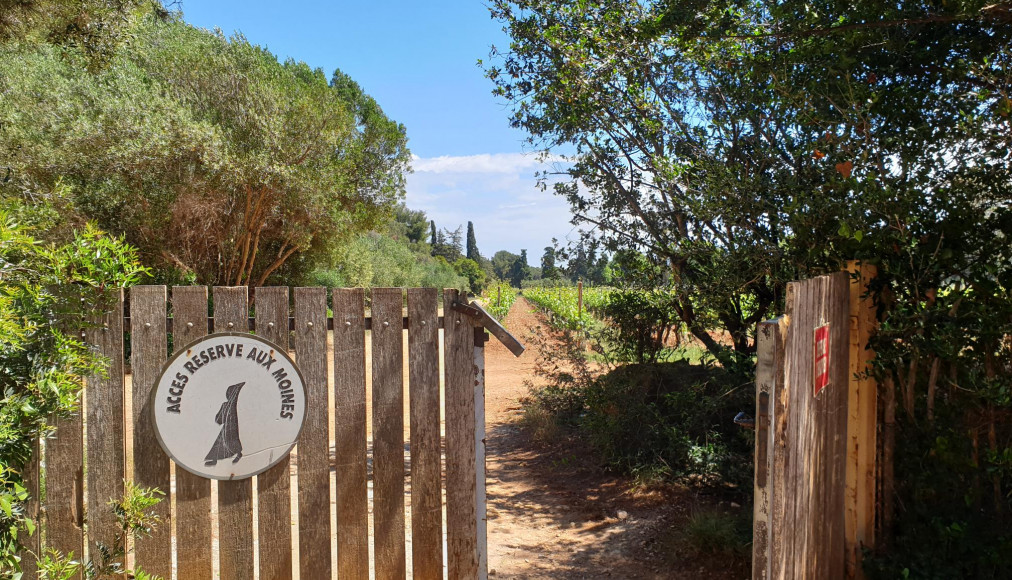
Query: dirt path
pixel 553 513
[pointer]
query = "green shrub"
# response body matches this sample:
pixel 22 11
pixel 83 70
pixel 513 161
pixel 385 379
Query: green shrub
pixel 640 322
pixel 471 270
pixel 672 414
pixel 43 289
pixel 663 419
pixel 135 519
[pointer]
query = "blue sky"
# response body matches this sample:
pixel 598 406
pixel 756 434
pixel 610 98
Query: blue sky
pixel 418 60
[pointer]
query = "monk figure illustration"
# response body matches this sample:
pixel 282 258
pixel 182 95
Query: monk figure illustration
pixel 227 444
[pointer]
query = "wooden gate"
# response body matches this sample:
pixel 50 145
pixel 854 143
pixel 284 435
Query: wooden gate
pixel 310 515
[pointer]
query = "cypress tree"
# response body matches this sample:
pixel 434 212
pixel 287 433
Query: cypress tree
pixel 472 244
pixel 548 263
pixel 432 229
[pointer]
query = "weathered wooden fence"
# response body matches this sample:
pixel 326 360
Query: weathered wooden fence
pixel 254 527
pixel 815 432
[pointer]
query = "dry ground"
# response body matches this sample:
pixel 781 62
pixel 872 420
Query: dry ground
pixel 555 513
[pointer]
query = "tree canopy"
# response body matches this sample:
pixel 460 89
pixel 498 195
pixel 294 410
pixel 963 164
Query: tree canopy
pixel 215 159
pixel 726 148
pixel 742 144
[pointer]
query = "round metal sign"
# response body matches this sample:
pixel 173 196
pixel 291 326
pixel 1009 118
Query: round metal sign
pixel 229 406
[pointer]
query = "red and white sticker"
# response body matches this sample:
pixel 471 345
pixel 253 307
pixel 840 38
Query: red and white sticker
pixel 821 358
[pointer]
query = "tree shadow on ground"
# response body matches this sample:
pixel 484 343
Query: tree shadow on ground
pixel 554 512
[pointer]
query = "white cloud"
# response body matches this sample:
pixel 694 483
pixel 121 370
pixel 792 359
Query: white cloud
pixel 484 163
pixel 499 193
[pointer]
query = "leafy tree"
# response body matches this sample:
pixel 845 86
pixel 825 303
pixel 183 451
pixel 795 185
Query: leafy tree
pixel 653 176
pixel 519 270
pixel 95 27
pixel 502 264
pixel 472 244
pixel 412 221
pixel 472 271
pixel 377 259
pixel 737 146
pixel 211 156
pixel 548 269
pixel 448 245
pixel 308 161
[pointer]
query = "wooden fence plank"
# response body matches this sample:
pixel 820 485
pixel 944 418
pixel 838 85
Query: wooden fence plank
pixel 274 502
pixel 862 421
pixel 350 433
pixel 148 350
pixel 31 546
pixel 426 491
pixel 105 450
pixel 798 368
pixel 782 510
pixel 837 304
pixel 314 446
pixel 193 493
pixel 479 452
pixel 813 490
pixel 769 373
pixel 388 433
pixel 235 498
pixel 868 418
pixel 461 519
pixel 65 487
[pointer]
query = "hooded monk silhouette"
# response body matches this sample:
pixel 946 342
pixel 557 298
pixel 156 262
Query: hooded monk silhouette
pixel 227 444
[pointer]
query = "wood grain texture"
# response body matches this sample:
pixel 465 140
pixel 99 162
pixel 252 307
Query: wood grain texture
pixel 274 500
pixel 481 511
pixel 868 414
pixel 426 490
pixel 105 450
pixel 314 447
pixel 65 487
pixel 862 421
pixel 781 510
pixel 193 493
pixel 350 433
pixel 235 498
pixel 499 331
pixel 388 433
pixel 837 307
pixel 461 518
pixel 148 350
pixel 816 441
pixel 31 544
pixel 769 369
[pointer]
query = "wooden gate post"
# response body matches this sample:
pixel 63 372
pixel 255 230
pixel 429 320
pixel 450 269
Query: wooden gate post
pixel 862 420
pixel 479 449
pixel 802 408
pixel 461 496
pixel 769 388
pixel 32 546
